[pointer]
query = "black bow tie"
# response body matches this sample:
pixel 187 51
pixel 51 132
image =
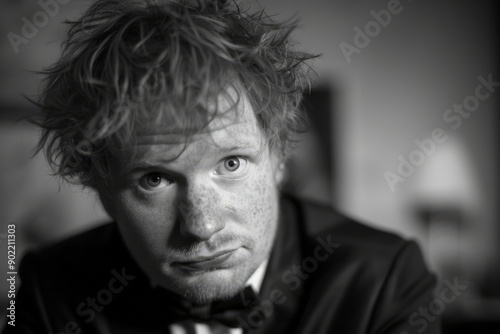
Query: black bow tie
pixel 225 312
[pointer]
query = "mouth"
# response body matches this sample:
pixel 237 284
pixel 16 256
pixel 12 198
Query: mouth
pixel 218 260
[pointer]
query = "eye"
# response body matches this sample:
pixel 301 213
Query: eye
pixel 231 165
pixel 155 181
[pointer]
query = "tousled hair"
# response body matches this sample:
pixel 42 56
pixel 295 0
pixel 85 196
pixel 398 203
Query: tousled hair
pixel 129 65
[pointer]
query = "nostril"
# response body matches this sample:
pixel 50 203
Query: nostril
pixel 201 230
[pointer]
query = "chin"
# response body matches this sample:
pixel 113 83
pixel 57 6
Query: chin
pixel 208 286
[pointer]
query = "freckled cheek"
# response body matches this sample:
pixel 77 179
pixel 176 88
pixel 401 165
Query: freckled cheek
pixel 152 220
pixel 257 203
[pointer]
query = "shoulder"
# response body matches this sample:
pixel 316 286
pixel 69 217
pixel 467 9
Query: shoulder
pixel 319 220
pixel 368 275
pixel 79 248
pixel 84 259
pixel 368 254
pixel 356 276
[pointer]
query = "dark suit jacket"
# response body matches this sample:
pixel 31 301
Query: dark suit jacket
pixel 326 274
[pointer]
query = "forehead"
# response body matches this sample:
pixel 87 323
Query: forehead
pixel 235 126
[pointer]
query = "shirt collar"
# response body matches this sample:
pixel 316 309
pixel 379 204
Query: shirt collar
pixel 255 281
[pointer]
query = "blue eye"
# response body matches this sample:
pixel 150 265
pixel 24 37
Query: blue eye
pixel 155 181
pixel 231 165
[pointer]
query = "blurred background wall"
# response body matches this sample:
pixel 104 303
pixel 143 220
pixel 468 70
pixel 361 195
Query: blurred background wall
pixel 384 86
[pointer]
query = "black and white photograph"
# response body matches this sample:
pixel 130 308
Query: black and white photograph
pixel 249 167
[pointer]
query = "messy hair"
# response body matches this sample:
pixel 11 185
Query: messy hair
pixel 130 65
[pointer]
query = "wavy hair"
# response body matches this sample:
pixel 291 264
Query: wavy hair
pixel 129 65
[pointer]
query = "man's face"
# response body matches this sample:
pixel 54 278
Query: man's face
pixel 201 223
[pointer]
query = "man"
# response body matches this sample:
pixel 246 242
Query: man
pixel 181 116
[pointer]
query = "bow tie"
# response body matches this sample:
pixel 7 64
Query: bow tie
pixel 225 312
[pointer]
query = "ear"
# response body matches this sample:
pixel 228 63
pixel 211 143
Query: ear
pixel 278 165
pixel 279 173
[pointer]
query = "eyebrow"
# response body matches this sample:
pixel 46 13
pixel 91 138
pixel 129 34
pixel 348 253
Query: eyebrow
pixel 222 150
pixel 232 148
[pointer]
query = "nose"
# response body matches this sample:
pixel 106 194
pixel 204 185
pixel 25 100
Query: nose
pixel 200 213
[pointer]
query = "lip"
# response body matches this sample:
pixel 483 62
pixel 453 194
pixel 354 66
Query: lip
pixel 219 259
